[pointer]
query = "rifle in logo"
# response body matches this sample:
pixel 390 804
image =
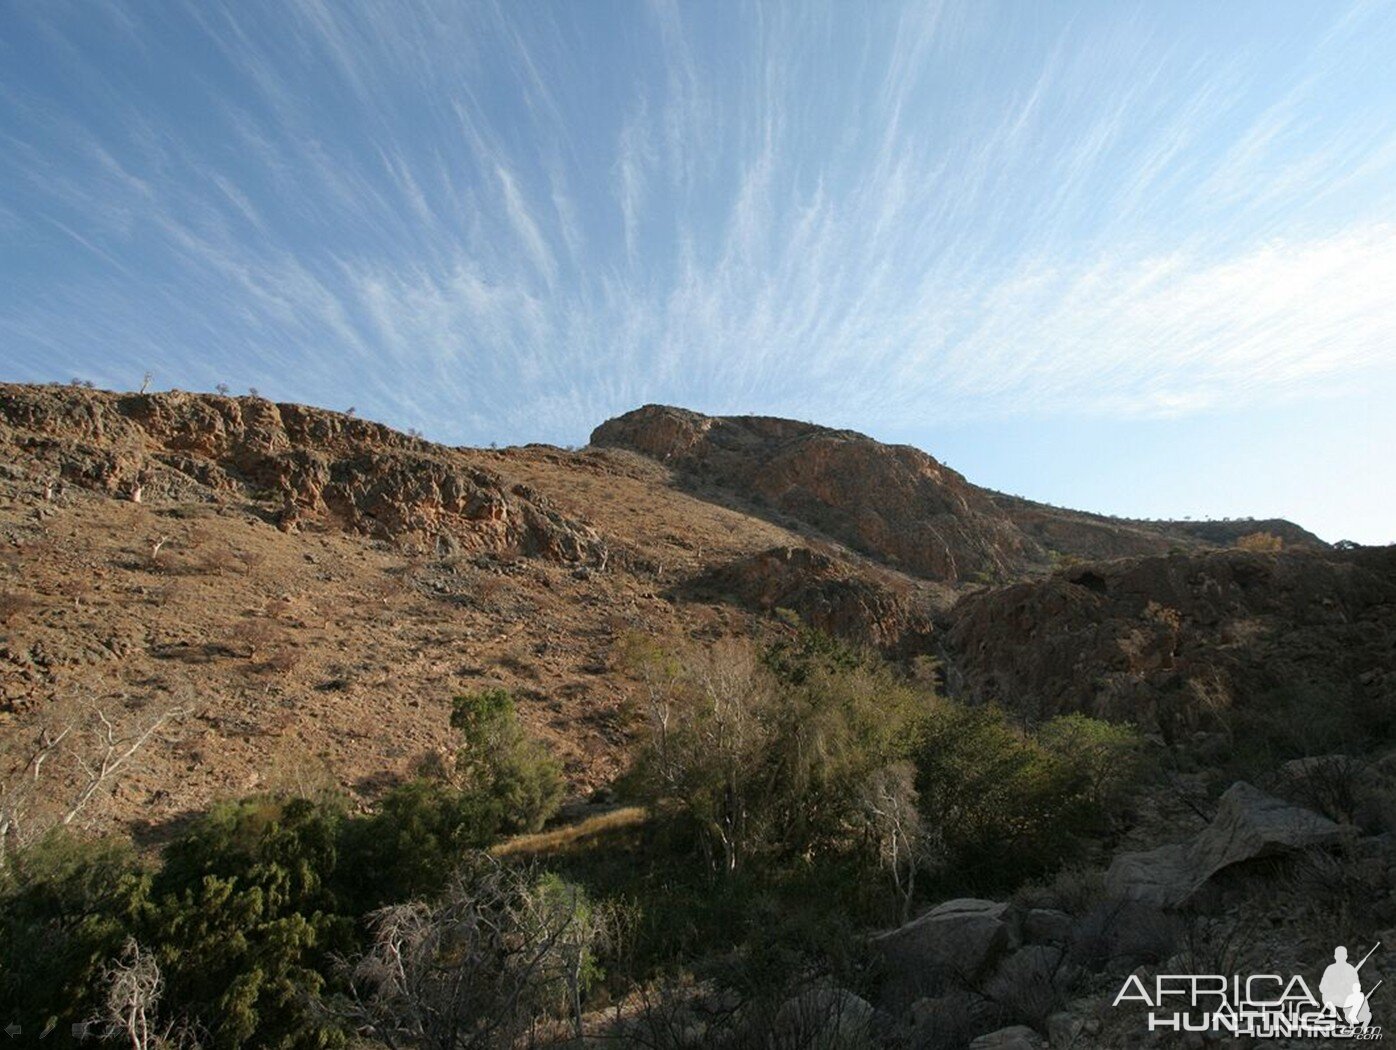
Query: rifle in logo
pixel 1368 956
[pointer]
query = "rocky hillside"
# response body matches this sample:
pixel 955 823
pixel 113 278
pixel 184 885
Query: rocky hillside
pixel 309 590
pixel 1177 641
pixel 225 596
pixel 893 502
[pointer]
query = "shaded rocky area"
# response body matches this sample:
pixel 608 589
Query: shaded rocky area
pixel 883 610
pixel 1178 643
pixel 1079 534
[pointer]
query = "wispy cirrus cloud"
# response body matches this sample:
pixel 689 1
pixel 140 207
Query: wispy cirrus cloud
pixel 502 225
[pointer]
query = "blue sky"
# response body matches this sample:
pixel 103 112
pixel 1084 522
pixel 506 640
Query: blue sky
pixel 1139 259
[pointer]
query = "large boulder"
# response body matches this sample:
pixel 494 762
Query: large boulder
pixel 1249 824
pixel 1046 926
pixel 824 1017
pixel 952 1019
pixel 961 939
pixel 1018 1037
pixel 1032 981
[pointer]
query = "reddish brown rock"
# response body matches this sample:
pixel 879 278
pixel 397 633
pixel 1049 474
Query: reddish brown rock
pixel 881 610
pixel 320 466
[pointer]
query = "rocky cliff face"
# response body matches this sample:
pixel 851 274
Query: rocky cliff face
pixel 310 464
pixel 894 502
pixel 890 501
pixel 830 594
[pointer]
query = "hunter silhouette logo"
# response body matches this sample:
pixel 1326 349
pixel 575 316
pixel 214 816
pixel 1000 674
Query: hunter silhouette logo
pixel 1263 1005
pixel 1341 987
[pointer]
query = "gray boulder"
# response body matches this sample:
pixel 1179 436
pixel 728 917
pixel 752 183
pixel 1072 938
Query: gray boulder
pixel 824 1018
pixel 1046 926
pixel 1064 1029
pixel 961 938
pixel 1019 1037
pixel 1032 982
pixel 1249 824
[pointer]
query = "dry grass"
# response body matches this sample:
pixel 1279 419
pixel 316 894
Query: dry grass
pixel 14 605
pixel 573 837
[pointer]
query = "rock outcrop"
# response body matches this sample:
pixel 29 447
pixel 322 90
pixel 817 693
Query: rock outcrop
pixel 960 940
pixel 895 502
pixel 891 501
pixel 1249 825
pixel 830 594
pixel 1168 642
pixel 303 464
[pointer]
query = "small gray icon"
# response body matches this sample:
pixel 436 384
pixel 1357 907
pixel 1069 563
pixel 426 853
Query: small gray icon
pixel 13 1029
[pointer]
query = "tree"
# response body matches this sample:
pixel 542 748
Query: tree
pixel 905 844
pixel 499 760
pixel 501 948
pixel 710 725
pixel 52 780
pixel 770 756
pixel 134 986
pixel 66 906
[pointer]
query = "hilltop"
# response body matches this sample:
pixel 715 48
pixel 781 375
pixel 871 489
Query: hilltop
pixel 896 503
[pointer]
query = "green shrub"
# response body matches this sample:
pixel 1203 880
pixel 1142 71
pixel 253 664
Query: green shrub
pixel 1099 761
pixel 65 909
pixel 768 759
pixel 1009 805
pixel 498 759
pixel 244 919
pixel 408 848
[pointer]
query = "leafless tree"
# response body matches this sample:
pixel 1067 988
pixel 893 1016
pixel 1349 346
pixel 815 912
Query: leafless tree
pixel 477 969
pixel 111 751
pixel 905 844
pixel 95 751
pixel 134 983
pixel 130 1008
pixel 16 794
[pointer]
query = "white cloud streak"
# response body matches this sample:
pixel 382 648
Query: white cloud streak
pixel 510 226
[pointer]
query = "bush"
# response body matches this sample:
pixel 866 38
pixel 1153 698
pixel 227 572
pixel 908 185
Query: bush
pixel 244 918
pixel 501 948
pixel 497 759
pixel 769 759
pixel 65 909
pixel 1009 805
pixel 408 848
pixel 1260 541
pixel 1099 761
